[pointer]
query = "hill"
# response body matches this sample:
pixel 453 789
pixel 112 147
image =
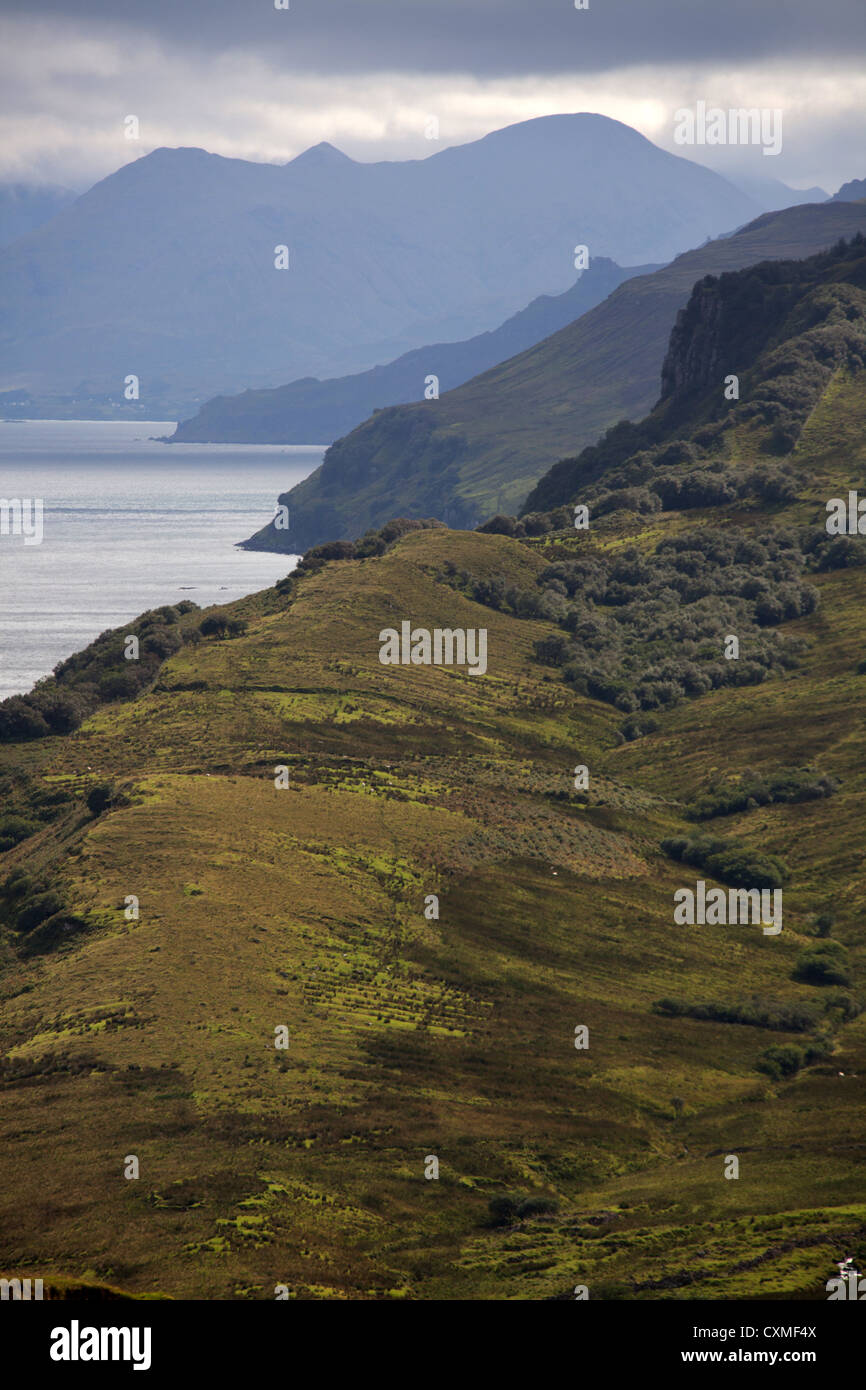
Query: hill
pixel 309 410
pixel 851 192
pixel 280 806
pixel 167 269
pixel 479 449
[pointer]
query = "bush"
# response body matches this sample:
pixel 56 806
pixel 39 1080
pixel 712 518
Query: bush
pixel 780 1061
pixel 221 626
pixel 14 829
pixel 19 720
pixel 730 862
pixel 536 1206
pixel 119 685
pixel 502 1210
pixel 36 910
pixel 499 526
pixel 823 965
pixel 99 798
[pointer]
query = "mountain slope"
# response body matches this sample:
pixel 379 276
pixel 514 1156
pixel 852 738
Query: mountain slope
pixel 414 1037
pixel 309 411
pixel 479 449
pixel 24 207
pixel 782 328
pixel 851 192
pixel 166 269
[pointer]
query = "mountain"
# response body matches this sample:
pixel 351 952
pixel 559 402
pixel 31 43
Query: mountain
pixel 361 1043
pixel 773 194
pixel 787 329
pixel 166 269
pixel 311 411
pixel 480 448
pixel 24 207
pixel 851 192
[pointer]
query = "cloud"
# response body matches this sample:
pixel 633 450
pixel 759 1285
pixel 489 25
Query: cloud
pixel 488 37
pixel 248 81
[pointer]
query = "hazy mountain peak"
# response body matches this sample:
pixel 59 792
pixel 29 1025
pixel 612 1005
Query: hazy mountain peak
pixel 320 156
pixel 851 192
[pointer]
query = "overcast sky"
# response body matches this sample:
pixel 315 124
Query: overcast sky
pixel 241 78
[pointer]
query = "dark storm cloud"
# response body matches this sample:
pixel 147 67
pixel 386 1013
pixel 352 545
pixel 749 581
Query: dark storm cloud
pixel 488 37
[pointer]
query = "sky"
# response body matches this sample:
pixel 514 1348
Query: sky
pixel 244 79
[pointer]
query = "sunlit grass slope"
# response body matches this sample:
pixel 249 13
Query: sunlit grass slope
pixel 411 1038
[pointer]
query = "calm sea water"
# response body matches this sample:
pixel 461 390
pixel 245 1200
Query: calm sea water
pixel 128 524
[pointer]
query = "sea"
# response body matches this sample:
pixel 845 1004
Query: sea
pixel 129 523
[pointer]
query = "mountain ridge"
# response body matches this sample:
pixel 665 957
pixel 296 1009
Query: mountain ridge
pixel 481 448
pixel 168 267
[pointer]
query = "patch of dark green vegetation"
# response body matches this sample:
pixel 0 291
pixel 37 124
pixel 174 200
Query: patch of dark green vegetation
pixel 35 909
pixel 756 1013
pixel 99 674
pixel 729 862
pixel 784 1060
pixel 508 1210
pixel 824 964
pixel 643 631
pixel 753 789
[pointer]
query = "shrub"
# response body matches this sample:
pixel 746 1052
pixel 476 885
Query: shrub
pixel 99 798
pixel 730 862
pixel 14 829
pixel 531 1207
pixel 19 720
pixel 824 964
pixel 36 910
pixel 502 1210
pixel 780 1061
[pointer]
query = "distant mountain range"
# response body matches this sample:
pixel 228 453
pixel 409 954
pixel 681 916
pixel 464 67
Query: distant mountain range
pixel 166 269
pixel 774 195
pixel 480 448
pixel 316 412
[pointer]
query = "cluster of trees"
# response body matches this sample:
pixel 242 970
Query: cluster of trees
pixel 787 784
pixel 784 1060
pixel 757 1013
pixel 99 673
pixel 643 630
pixel 730 862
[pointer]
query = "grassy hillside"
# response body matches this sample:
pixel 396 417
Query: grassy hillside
pixel 413 1037
pixel 480 448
